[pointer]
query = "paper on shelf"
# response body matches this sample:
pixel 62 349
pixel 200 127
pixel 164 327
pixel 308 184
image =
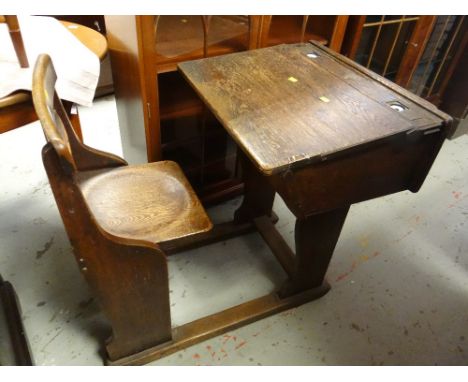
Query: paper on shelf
pixel 77 66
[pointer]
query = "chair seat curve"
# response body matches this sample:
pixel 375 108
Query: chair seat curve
pixel 151 202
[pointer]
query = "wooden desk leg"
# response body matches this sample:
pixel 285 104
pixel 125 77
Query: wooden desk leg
pixel 259 194
pixel 316 237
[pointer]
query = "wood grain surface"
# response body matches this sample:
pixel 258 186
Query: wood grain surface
pixel 152 202
pixel 90 38
pixel 286 109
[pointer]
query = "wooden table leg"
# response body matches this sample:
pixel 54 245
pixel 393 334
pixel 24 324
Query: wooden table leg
pixel 259 194
pixel 316 237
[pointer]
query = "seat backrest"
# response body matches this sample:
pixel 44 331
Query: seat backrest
pixel 57 127
pixel 16 38
pixel 55 122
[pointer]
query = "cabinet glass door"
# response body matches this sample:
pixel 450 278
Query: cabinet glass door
pixel 383 43
pixel 429 78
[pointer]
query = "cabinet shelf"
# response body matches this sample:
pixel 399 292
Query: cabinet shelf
pixel 177 143
pixel 184 108
pixel 176 98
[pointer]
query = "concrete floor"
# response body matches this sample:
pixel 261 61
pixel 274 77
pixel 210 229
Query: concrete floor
pixel 399 274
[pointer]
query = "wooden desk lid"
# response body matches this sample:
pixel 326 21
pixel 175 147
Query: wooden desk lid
pixel 290 105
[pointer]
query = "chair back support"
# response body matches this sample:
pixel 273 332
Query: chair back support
pixel 16 38
pixel 57 127
pixel 54 120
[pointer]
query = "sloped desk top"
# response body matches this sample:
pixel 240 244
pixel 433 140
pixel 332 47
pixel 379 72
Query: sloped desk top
pixel 291 105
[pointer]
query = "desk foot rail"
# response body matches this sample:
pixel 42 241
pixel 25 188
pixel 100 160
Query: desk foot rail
pixel 219 323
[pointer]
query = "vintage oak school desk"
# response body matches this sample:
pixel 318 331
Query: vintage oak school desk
pixel 324 133
pixel 312 126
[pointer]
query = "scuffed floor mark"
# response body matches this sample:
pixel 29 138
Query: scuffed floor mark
pixel 84 304
pixel 47 246
pixel 53 316
pixel 224 353
pixel 227 337
pixel 240 345
pixel 458 198
pixel 39 221
pixel 289 312
pixel 52 339
pixel 263 329
pixel 456 194
pixel 356 327
pixel 211 351
pixel 364 258
pixel 404 236
pixel 415 220
pixel 364 241
pixel 218 350
pixel 361 260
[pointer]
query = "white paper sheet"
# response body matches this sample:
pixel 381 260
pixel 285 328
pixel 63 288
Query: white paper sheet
pixel 77 67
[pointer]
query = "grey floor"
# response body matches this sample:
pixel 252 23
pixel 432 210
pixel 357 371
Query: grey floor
pixel 399 274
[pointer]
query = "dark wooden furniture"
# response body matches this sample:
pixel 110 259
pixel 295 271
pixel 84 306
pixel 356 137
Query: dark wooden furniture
pixel 281 29
pixel 324 133
pixel 455 95
pixel 419 53
pixel 160 116
pixel 312 125
pixel 446 43
pixel 17 109
pixel 116 216
pixel 389 45
pixel 14 347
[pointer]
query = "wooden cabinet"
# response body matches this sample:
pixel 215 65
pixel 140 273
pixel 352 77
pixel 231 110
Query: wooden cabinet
pixel 439 58
pixel 328 30
pixel 454 93
pixel 419 53
pixel 179 126
pixel 388 45
pixel 160 116
pixel 181 38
